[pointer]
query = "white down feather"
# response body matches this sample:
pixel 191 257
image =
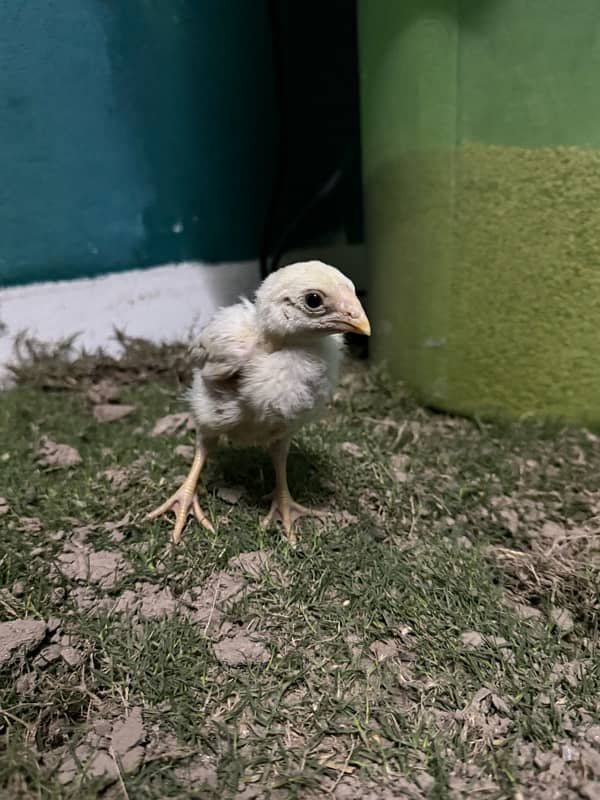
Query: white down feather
pixel 253 390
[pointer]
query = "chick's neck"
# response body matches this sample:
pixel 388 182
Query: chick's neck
pixel 310 341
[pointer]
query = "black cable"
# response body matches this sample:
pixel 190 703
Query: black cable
pixel 324 191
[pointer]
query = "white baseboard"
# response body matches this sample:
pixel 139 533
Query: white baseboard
pixel 163 303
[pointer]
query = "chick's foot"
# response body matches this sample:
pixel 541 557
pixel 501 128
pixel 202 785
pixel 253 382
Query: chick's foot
pixel 185 501
pixel 287 511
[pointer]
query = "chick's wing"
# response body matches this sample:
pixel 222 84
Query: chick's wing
pixel 227 342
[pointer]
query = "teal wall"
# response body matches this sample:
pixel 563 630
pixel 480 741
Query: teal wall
pixel 132 133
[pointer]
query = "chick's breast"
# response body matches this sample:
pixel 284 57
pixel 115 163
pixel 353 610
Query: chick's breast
pixel 284 389
pixel 252 392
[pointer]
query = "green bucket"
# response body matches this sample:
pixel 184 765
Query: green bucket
pixel 481 137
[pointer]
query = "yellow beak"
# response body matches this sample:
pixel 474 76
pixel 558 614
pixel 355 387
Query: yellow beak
pixel 361 324
pixel 349 313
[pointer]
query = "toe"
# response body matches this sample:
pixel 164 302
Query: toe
pixel 290 538
pixel 179 526
pixel 162 509
pixel 299 511
pixel 287 522
pixel 268 518
pixel 201 516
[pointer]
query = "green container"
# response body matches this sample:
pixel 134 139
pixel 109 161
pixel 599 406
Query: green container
pixel 481 158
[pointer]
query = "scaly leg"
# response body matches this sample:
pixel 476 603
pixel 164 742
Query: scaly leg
pixel 283 506
pixel 185 501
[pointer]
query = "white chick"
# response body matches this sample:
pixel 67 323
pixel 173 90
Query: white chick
pixel 265 370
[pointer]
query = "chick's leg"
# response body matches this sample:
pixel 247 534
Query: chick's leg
pixel 283 506
pixel 185 500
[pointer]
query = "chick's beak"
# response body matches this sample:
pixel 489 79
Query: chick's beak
pixel 362 324
pixel 351 314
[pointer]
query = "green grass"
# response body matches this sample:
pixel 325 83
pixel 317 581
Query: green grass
pixel 422 561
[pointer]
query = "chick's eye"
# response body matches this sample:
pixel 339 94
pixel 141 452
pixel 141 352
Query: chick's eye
pixel 313 300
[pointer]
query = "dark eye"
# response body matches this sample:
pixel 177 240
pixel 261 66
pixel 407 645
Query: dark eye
pixel 313 300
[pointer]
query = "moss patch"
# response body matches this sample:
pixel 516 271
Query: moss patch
pixel 490 278
pixel 436 638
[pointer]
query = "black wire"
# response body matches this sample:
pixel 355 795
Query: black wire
pixel 322 192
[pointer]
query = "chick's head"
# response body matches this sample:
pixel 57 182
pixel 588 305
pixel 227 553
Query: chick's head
pixel 309 298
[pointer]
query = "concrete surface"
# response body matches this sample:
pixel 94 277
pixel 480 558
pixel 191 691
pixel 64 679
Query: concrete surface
pixel 161 303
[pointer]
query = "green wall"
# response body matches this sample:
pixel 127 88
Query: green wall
pixel 132 133
pixel 480 125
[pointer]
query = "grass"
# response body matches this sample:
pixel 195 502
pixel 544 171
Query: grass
pixel 453 528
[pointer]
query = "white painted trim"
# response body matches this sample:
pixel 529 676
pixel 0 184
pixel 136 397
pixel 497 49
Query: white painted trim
pixel 163 303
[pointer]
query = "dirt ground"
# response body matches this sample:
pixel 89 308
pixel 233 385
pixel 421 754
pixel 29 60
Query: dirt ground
pixel 436 637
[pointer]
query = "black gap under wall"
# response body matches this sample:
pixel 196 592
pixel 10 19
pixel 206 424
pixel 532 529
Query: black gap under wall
pixel 316 58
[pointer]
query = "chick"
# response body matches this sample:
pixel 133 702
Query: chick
pixel 267 368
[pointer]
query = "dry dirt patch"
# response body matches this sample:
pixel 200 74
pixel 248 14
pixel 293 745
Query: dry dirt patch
pixel 19 637
pixel 54 454
pixel 102 567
